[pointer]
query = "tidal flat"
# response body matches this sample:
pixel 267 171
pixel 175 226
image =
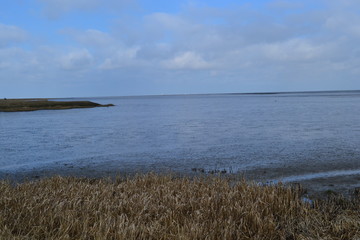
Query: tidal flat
pixel 20 105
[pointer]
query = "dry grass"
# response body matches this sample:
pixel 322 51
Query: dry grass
pixel 164 207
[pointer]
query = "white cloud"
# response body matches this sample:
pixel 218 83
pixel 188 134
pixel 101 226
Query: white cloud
pixel 187 60
pixel 121 58
pixel 77 60
pixel 292 50
pixel 90 37
pixel 11 34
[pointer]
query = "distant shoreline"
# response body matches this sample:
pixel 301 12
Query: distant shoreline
pixel 24 105
pixel 197 94
pixel 230 93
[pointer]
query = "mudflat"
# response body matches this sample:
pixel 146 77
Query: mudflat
pixel 19 105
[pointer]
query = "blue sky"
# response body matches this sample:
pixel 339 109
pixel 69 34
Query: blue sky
pixel 80 48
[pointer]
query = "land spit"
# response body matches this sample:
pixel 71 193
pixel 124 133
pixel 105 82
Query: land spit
pixel 166 207
pixel 19 105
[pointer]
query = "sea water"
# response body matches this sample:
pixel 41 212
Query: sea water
pixel 298 133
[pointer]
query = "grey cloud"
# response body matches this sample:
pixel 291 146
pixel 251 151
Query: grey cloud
pixel 286 5
pixel 107 52
pixel 11 34
pixel 240 38
pixel 238 49
pixel 76 60
pixel 122 58
pixel 90 37
pixel 56 8
pixel 18 59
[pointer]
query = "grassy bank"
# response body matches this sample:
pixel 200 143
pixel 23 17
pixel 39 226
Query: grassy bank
pixel 164 207
pixel 17 105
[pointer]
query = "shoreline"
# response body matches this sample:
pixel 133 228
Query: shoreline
pixel 316 187
pixel 25 105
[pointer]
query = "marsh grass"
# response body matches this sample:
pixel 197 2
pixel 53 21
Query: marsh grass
pixel 167 207
pixel 16 105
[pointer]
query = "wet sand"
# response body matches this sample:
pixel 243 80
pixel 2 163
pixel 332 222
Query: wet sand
pixel 317 182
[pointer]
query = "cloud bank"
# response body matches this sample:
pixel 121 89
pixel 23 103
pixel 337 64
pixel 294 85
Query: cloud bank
pixel 275 46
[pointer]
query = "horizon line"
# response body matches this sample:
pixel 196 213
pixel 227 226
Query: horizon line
pixel 220 93
pixel 198 94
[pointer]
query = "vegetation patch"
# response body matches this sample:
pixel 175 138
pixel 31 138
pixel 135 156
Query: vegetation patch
pixel 17 105
pixel 167 207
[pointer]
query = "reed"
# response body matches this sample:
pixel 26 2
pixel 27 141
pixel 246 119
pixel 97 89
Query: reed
pixel 166 207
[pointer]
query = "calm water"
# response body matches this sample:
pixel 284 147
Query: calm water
pixel 308 131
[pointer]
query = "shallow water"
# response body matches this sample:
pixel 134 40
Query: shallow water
pixel 289 134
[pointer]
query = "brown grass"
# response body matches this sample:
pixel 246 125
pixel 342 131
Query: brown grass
pixel 165 207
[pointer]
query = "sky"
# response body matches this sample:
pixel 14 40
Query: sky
pixel 84 48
